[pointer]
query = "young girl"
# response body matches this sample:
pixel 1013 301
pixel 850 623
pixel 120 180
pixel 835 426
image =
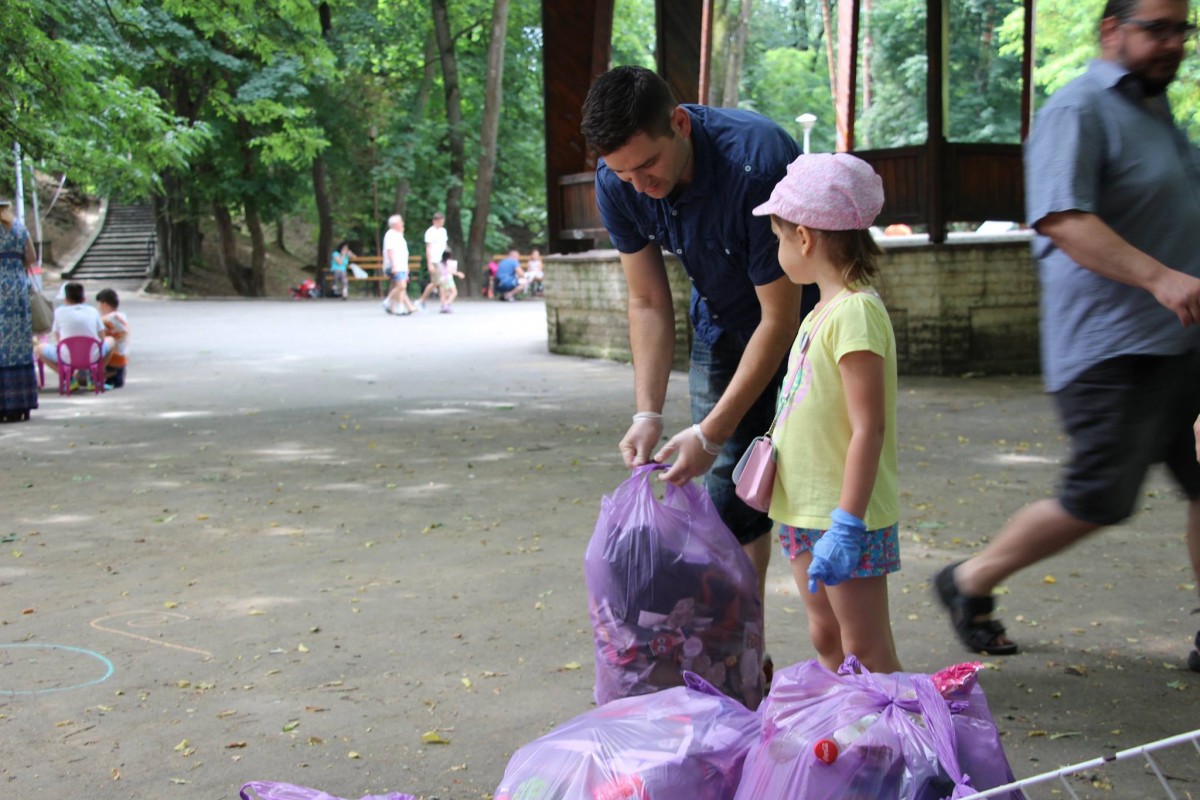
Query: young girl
pixel 447 272
pixel 835 489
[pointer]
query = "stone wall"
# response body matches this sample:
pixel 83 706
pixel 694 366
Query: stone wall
pixel 968 306
pixel 587 308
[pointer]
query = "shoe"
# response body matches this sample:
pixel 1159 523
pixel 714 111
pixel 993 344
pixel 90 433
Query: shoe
pixel 1194 656
pixel 73 386
pixel 387 308
pixel 421 304
pixel 445 310
pixel 768 667
pixel 977 636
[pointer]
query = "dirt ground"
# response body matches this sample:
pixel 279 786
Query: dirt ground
pixel 305 534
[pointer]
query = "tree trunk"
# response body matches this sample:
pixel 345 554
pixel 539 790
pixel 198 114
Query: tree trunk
pixel 238 275
pixel 867 46
pixel 827 22
pixel 418 114
pixel 486 170
pixel 454 119
pixel 324 216
pixel 737 56
pixel 258 249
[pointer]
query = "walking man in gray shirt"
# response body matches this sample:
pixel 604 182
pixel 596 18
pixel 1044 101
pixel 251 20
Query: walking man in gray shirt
pixel 1113 191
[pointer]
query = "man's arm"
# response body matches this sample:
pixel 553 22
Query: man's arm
pixel 652 342
pixel 1093 245
pixel 768 346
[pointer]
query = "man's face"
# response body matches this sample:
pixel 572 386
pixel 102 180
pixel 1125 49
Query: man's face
pixel 1150 43
pixel 438 222
pixel 656 165
pixel 398 226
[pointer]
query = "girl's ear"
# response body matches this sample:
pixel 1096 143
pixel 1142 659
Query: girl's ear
pixel 806 239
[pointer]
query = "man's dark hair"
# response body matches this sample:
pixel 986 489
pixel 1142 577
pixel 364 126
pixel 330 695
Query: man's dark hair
pixel 1121 9
pixel 108 297
pixel 623 102
pixel 73 292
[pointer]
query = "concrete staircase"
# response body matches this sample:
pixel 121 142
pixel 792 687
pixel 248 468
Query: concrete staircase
pixel 123 250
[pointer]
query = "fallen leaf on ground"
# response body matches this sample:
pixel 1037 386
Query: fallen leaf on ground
pixel 433 737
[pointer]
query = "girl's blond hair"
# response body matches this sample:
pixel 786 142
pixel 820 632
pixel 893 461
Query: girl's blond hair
pixel 855 252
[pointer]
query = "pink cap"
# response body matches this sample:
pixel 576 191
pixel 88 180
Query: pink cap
pixel 827 191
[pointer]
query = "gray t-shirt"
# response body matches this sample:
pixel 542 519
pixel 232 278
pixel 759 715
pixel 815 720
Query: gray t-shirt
pixel 1100 146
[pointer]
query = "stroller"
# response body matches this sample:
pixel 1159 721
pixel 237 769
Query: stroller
pixel 307 290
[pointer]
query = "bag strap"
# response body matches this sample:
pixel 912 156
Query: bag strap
pixel 811 334
pixel 937 717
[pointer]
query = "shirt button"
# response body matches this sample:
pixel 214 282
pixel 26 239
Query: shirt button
pixel 674 213
pixel 716 316
pixel 652 236
pixel 690 278
pixel 726 251
pixel 679 252
pixel 748 168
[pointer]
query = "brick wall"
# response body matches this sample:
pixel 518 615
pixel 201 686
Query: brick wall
pixel 968 306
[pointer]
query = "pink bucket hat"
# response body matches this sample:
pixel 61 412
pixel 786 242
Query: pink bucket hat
pixel 827 191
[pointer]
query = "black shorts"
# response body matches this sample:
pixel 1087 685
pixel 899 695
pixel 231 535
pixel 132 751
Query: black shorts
pixel 1123 415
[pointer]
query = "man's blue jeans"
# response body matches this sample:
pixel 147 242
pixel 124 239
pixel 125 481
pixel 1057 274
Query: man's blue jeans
pixel 711 370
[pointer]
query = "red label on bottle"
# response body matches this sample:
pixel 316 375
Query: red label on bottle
pixel 826 750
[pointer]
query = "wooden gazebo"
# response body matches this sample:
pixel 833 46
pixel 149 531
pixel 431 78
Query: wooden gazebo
pixel 930 184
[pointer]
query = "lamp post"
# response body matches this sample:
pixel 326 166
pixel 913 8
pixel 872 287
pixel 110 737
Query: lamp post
pixel 807 121
pixel 372 133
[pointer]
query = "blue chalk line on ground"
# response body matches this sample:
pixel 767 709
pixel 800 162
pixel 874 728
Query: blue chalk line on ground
pixel 108 668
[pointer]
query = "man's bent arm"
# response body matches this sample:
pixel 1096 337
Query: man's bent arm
pixel 651 325
pixel 1093 245
pixel 780 301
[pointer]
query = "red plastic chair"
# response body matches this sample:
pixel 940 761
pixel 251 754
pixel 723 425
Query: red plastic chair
pixel 77 353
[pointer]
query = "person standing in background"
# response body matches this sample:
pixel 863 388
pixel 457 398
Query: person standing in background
pixel 18 384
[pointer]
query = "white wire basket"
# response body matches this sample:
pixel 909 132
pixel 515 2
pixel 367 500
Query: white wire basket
pixel 1059 777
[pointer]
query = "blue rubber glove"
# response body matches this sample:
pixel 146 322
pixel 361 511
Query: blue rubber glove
pixel 836 553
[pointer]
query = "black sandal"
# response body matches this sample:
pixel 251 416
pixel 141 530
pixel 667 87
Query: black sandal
pixel 978 636
pixel 1194 656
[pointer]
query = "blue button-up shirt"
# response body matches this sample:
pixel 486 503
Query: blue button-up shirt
pixel 1100 146
pixel 739 157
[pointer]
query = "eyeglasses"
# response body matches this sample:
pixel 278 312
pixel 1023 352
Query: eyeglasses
pixel 1162 31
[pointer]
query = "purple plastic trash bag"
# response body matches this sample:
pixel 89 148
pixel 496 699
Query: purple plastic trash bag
pixel 687 742
pixel 670 589
pixel 854 735
pixel 273 790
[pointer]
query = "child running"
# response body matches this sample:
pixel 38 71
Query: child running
pixel 447 272
pixel 835 493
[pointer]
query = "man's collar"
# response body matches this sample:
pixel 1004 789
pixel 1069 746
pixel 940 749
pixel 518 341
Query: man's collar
pixel 701 161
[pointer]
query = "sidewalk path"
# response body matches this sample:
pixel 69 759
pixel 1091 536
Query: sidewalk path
pixel 307 533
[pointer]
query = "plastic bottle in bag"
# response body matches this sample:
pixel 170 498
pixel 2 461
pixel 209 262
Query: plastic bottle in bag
pixel 828 749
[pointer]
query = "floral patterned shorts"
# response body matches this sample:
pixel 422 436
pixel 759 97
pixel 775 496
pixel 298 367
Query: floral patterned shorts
pixel 880 556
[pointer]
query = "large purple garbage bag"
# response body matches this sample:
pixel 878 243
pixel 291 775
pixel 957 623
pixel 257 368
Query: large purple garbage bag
pixel 853 735
pixel 684 743
pixel 670 589
pixel 274 790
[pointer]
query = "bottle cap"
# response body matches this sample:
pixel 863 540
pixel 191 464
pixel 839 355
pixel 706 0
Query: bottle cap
pixel 826 750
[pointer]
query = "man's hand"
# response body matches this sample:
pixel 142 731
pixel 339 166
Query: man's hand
pixel 691 459
pixel 640 440
pixel 1179 293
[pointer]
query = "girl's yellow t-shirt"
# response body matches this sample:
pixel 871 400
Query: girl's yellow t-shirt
pixel 812 435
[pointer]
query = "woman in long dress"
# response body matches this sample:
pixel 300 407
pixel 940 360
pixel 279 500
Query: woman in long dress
pixel 18 386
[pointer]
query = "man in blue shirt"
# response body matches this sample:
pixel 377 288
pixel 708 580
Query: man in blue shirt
pixel 508 276
pixel 1113 191
pixel 685 178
